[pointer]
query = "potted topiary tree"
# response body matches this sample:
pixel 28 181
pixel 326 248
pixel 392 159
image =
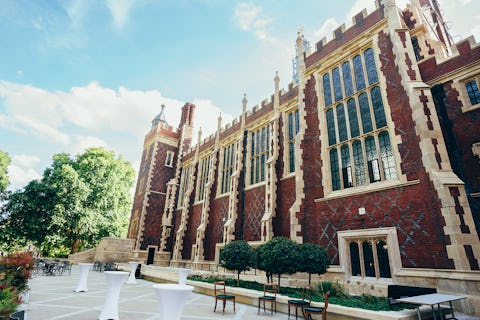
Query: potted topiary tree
pixel 278 256
pixel 313 259
pixel 237 256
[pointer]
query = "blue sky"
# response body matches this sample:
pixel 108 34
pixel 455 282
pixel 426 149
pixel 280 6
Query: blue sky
pixel 80 73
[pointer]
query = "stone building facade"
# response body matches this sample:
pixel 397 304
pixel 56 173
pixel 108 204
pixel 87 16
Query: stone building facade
pixel 373 153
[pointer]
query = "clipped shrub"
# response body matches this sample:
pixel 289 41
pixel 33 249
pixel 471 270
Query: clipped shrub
pixel 15 270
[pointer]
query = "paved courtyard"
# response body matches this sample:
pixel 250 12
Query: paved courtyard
pixel 52 298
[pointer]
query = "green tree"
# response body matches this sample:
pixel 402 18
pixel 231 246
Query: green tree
pixel 76 203
pixel 26 216
pixel 313 259
pixel 70 218
pixel 4 163
pixel 278 256
pixel 237 256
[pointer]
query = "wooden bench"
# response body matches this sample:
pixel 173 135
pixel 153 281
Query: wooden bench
pixel 398 291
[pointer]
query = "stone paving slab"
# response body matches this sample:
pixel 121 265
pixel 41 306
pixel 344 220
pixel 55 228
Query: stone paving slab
pixel 52 298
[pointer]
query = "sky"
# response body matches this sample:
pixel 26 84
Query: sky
pixel 81 73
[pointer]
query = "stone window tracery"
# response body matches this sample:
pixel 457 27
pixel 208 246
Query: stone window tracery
pixel 202 181
pixel 359 144
pixel 183 185
pixel 228 163
pixel 293 128
pixel 259 146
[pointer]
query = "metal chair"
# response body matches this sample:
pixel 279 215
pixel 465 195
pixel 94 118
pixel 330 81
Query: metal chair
pixel 317 310
pixel 269 294
pixel 220 294
pixel 300 303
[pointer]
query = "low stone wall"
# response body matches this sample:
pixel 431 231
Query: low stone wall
pixel 109 249
pixel 335 312
pixel 83 256
pixel 115 249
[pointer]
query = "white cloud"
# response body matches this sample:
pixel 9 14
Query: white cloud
pixel 22 170
pixel 357 7
pixel 248 17
pixel 246 14
pixel 119 10
pixel 103 113
pixel 81 143
pixel 327 28
pixel 25 160
pixel 206 118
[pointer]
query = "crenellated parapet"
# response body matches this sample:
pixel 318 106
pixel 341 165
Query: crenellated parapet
pixel 464 54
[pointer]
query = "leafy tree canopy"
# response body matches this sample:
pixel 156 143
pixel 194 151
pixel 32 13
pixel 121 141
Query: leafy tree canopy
pixel 278 256
pixel 4 163
pixel 313 259
pixel 237 256
pixel 77 202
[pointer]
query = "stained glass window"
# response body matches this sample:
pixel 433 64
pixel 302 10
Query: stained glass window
pixel 293 128
pixel 473 92
pixel 386 154
pixel 371 68
pixel 352 118
pixel 378 110
pixel 347 78
pixel 359 163
pixel 337 84
pixel 368 261
pixel 355 259
pixel 334 169
pixel 372 159
pixel 358 70
pixel 327 90
pixel 260 150
pixel 358 121
pixel 365 113
pixel 342 124
pixel 346 167
pixel 332 139
pixel 383 261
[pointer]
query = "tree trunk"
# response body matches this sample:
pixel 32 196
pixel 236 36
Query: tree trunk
pixel 279 280
pixel 309 278
pixel 238 278
pixel 75 246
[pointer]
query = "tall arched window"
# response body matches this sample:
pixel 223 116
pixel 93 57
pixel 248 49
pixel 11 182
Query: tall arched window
pixel 358 141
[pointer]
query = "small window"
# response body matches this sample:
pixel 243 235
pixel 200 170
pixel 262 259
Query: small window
pixel 473 92
pixel 416 48
pixel 374 253
pixel 370 254
pixel 169 159
pixel 293 128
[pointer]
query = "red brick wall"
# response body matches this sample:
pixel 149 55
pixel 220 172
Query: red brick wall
pixel 161 173
pixel 153 220
pixel 254 210
pixel 466 129
pixel 413 210
pixel 191 232
pixel 285 199
pixel 156 202
pixel 214 233
pixel 285 191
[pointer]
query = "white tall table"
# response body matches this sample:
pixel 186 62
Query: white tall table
pixel 432 300
pixel 182 275
pixel 172 298
pixel 115 281
pixel 82 282
pixel 133 268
